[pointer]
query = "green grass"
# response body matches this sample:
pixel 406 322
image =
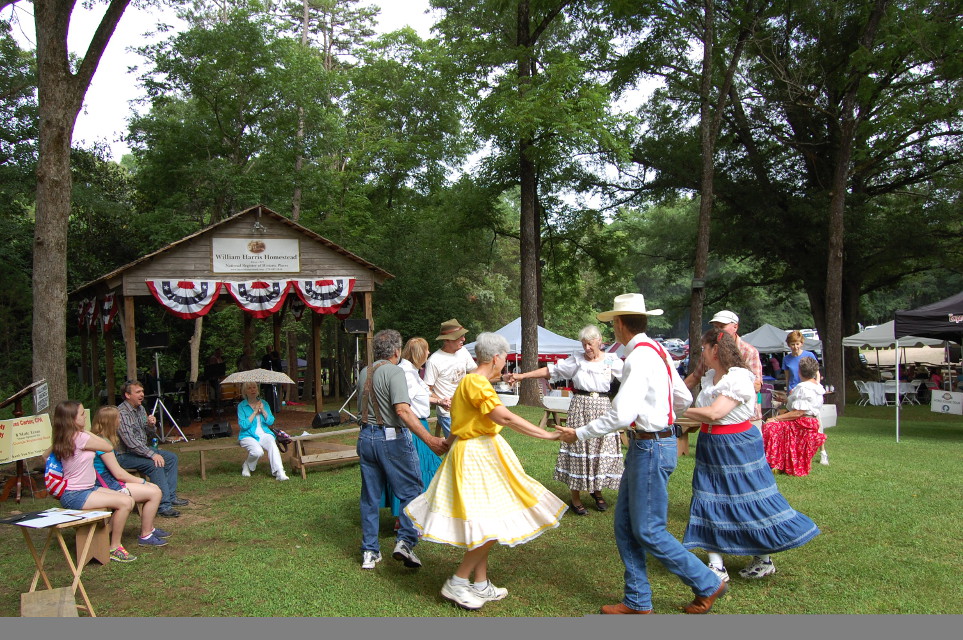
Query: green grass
pixel 890 516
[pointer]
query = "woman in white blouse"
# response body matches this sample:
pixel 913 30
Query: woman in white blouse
pixel 413 358
pixel 736 506
pixel 793 437
pixel 596 463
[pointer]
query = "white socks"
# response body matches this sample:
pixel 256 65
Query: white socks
pixel 455 580
pixel 715 559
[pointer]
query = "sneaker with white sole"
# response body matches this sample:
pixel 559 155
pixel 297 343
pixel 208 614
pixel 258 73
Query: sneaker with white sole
pixel 722 574
pixel 245 471
pixel 824 458
pixel 758 569
pixel 280 477
pixel 369 559
pixel 490 593
pixel 463 595
pixel 404 553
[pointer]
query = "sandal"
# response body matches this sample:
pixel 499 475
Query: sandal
pixel 579 509
pixel 600 502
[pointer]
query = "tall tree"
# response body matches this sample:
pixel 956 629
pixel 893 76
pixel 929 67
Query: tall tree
pixel 62 84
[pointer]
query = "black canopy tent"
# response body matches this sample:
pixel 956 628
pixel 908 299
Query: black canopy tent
pixel 942 320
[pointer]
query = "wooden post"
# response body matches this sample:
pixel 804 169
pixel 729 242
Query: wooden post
pixel 277 318
pixel 316 360
pixel 369 314
pixel 130 341
pixel 109 366
pixel 95 363
pixel 247 360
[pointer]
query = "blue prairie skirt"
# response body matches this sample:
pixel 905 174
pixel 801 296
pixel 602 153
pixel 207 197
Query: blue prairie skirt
pixel 428 462
pixel 736 505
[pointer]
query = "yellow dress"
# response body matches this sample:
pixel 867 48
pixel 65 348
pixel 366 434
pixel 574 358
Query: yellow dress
pixel 480 492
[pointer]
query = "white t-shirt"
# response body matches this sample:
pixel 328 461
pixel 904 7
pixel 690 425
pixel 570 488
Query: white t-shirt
pixel 444 371
pixel 417 391
pixel 736 384
pixel 587 375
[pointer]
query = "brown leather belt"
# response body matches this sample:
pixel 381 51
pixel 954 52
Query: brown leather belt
pixel 635 434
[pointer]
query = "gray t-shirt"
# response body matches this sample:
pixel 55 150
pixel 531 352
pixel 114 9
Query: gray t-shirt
pixel 390 388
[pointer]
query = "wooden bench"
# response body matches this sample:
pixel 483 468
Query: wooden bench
pixel 203 446
pixel 332 453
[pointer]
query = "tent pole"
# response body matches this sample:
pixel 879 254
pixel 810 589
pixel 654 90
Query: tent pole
pixel 897 390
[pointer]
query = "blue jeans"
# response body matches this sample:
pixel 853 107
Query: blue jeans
pixel 641 514
pixel 394 462
pixel 445 423
pixel 164 477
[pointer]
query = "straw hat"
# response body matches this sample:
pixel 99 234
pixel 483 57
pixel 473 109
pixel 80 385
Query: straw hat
pixel 451 330
pixel 628 304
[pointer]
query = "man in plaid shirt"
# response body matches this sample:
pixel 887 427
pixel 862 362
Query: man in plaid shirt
pixel 729 322
pixel 133 450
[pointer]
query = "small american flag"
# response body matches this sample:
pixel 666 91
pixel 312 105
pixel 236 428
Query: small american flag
pixel 53 477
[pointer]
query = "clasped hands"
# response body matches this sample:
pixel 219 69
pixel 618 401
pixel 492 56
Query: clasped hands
pixel 439 445
pixel 566 434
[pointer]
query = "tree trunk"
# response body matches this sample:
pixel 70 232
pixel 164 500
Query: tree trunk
pixel 60 95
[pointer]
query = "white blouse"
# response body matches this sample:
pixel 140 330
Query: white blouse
pixel 806 396
pixel 417 391
pixel 588 375
pixel 738 384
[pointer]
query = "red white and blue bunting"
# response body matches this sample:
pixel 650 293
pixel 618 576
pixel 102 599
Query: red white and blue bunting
pixel 108 310
pixel 345 310
pixel 325 295
pixel 187 299
pixel 260 298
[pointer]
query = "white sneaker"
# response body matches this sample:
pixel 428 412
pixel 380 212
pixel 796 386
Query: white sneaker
pixel 722 574
pixel 244 470
pixel 404 553
pixel 462 594
pixel 369 559
pixel 490 593
pixel 281 477
pixel 758 569
pixel 824 458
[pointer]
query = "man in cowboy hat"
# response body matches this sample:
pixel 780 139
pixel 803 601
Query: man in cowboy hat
pixel 728 321
pixel 446 367
pixel 649 398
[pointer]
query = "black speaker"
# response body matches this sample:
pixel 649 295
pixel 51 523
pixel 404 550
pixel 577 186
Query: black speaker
pixel 158 340
pixel 326 419
pixel 211 430
pixel 357 325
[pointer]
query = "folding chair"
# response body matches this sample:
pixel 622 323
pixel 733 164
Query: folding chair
pixel 863 393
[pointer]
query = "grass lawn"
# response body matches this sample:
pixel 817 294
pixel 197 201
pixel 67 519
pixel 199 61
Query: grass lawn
pixel 890 516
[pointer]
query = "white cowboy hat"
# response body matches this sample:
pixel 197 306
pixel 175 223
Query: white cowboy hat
pixel 628 304
pixel 725 317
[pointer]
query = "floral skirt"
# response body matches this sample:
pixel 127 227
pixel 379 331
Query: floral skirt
pixel 593 464
pixel 481 493
pixel 791 444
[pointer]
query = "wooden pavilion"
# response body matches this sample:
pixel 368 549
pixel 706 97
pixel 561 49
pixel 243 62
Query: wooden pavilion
pixel 257 258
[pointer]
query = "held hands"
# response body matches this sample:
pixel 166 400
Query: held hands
pixel 566 434
pixel 439 445
pixel 445 403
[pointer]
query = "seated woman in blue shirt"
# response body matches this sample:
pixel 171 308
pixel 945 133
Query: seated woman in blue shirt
pixel 254 417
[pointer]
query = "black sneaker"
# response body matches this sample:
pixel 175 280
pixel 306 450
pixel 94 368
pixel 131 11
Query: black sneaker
pixel 180 502
pixel 169 513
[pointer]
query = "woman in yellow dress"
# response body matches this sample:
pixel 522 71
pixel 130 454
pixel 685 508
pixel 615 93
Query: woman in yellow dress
pixel 480 494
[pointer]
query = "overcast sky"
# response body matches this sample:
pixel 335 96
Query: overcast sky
pixel 107 104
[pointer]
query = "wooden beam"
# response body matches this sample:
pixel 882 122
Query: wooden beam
pixel 84 356
pixel 247 360
pixel 130 341
pixel 316 360
pixel 109 366
pixel 369 314
pixel 95 363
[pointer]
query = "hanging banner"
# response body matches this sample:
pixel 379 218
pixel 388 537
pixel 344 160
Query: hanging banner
pixel 297 307
pixel 345 310
pixel 325 296
pixel 186 299
pixel 81 313
pixel 258 297
pixel 258 255
pixel 25 437
pixel 93 314
pixel 108 310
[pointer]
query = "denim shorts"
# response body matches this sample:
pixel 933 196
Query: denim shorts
pixel 75 499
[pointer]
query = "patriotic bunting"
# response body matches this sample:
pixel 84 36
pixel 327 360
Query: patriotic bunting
pixel 297 307
pixel 258 297
pixel 325 295
pixel 186 299
pixel 107 312
pixel 345 310
pixel 81 313
pixel 91 314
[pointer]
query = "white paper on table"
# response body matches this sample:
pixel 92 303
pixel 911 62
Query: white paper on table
pixel 49 520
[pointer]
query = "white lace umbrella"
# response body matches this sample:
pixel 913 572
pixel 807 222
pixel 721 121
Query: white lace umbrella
pixel 261 376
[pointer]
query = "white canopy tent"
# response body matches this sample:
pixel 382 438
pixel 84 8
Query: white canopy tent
pixel 884 337
pixel 772 339
pixel 549 344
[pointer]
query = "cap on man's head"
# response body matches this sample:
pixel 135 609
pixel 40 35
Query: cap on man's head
pixel 628 304
pixel 451 330
pixel 725 317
